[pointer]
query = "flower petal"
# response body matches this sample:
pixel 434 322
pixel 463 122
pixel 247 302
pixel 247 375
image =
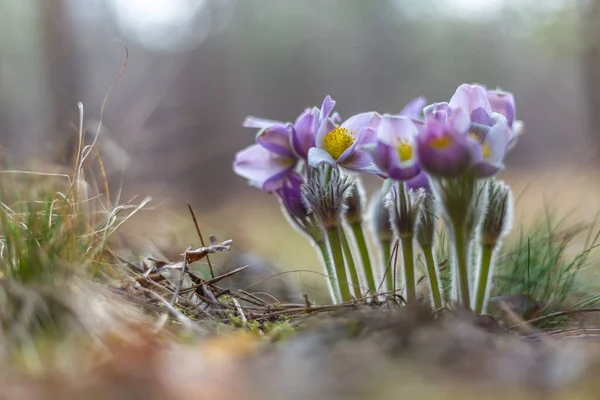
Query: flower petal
pixel 414 108
pixel 277 138
pixel 480 116
pixel 438 112
pixel 470 97
pixel 443 152
pixel 497 141
pixel 393 128
pixel 460 120
pixel 355 159
pixel 516 132
pixel 318 156
pixel 420 181
pixel 260 123
pixel 261 166
pixel 384 156
pixel 335 117
pixel 277 181
pixel 504 103
pixel 364 137
pixel 364 120
pixel 485 170
pixel 327 107
pixel 303 134
pixel 405 172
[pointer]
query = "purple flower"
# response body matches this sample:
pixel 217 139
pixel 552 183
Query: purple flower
pixel 269 163
pixel 470 114
pixel 421 181
pixel 414 108
pixel 343 144
pixel 438 112
pixel 394 151
pixel 444 148
pixel 490 129
pixel 493 144
pixel 504 103
pixel 473 100
pixel 280 146
pixel 304 129
pixel 291 196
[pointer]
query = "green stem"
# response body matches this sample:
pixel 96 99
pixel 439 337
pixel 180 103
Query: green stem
pixel 433 277
pixel 359 236
pixel 335 246
pixel 386 254
pixel 484 273
pixel 409 269
pixel 330 270
pixel 350 263
pixel 460 252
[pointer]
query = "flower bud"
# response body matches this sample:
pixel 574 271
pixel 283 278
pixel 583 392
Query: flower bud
pixel 477 208
pixel 404 206
pixel 498 216
pixel 355 203
pixel 290 196
pixel 426 222
pixel 325 194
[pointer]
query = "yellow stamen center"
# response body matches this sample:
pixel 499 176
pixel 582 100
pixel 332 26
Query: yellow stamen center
pixel 405 150
pixel 440 143
pixel 486 151
pixel 485 147
pixel 337 141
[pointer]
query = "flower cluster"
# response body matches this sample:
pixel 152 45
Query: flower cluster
pixel 473 131
pixel 444 149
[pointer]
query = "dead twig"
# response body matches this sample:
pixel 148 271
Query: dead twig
pixel 556 314
pixel 212 273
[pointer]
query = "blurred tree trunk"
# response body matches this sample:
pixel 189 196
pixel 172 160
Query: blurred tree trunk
pixel 22 80
pixel 37 78
pixel 590 14
pixel 60 54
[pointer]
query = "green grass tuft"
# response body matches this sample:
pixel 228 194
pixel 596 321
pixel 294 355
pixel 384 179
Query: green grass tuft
pixel 543 265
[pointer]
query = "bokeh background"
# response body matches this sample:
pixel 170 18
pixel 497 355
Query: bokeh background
pixel 196 68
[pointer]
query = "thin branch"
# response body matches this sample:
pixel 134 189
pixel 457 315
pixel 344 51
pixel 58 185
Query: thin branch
pixel 212 274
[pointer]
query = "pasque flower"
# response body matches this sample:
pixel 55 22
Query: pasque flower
pixel 343 145
pixel 292 202
pixel 444 148
pixel 462 134
pixel 291 197
pixel 394 151
pixel 504 103
pixel 489 128
pixel 270 162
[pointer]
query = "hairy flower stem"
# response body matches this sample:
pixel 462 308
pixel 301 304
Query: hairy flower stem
pixel 333 237
pixel 460 252
pixel 350 263
pixel 330 270
pixel 359 236
pixel 433 277
pixel 409 269
pixel 484 273
pixel 386 255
